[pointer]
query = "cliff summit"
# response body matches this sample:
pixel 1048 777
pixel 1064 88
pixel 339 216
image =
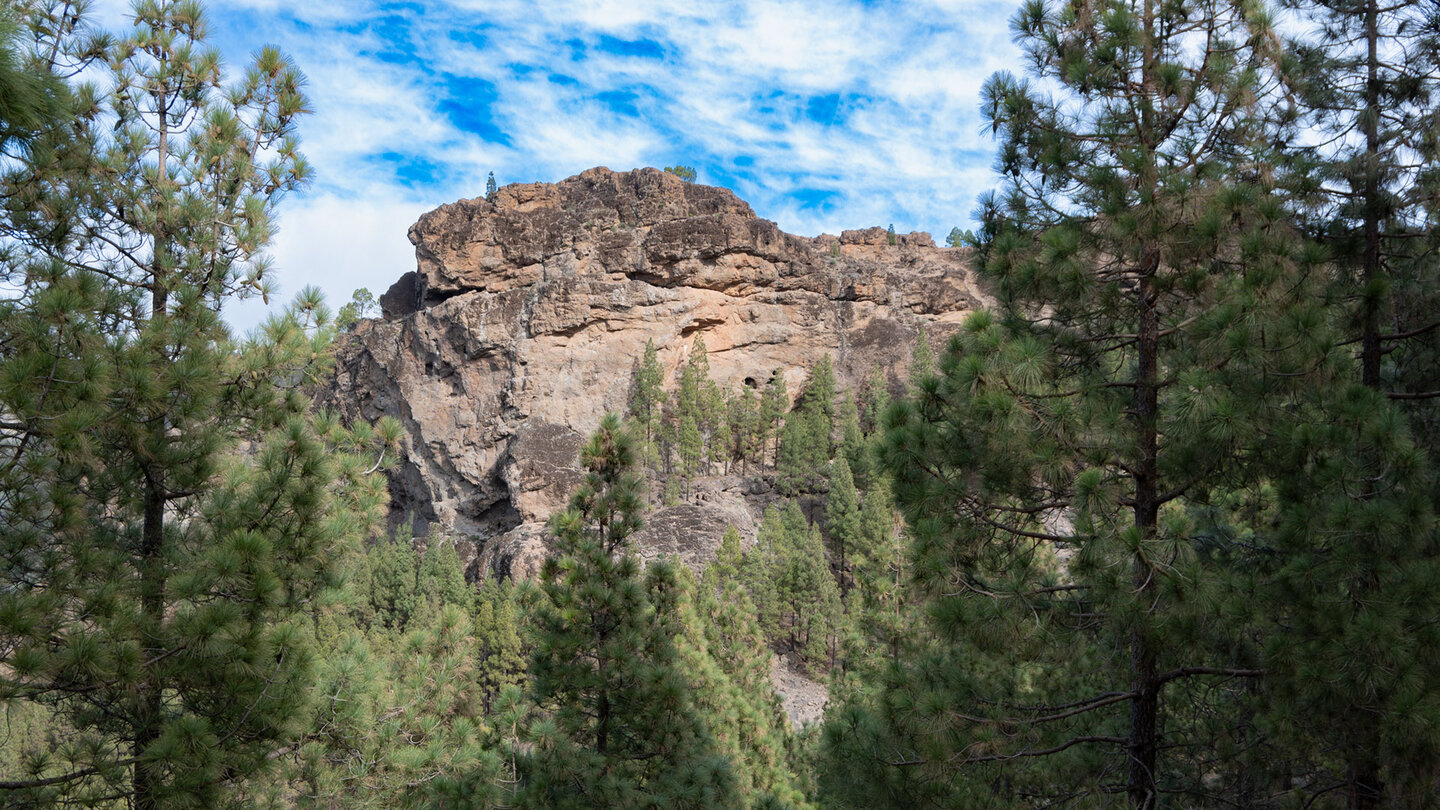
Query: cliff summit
pixel 526 314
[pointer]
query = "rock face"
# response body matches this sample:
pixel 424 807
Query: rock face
pixel 526 315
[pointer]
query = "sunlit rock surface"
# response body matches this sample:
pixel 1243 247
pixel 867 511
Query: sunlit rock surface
pixel 525 316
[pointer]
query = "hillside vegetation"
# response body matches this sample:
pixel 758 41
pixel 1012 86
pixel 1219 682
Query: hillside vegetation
pixel 1156 529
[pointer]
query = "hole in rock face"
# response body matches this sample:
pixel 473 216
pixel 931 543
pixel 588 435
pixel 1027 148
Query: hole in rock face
pixel 750 382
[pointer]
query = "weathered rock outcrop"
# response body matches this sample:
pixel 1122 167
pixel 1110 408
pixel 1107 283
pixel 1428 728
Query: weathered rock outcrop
pixel 522 323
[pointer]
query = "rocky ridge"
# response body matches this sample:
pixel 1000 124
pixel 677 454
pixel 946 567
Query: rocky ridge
pixel 526 314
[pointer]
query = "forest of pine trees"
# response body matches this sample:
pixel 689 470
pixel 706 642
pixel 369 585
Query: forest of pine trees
pixel 1157 530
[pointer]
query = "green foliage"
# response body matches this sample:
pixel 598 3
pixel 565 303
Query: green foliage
pixel 32 98
pixel 686 173
pixel 854 448
pixel 842 520
pixel 796 596
pixel 389 723
pixel 503 653
pixel 890 235
pixel 757 572
pixel 394 588
pixel 745 427
pixel 1153 319
pixel 726 567
pixel 1351 660
pixel 606 666
pixel 172 510
pixel 361 305
pixel 725 658
pixel 818 395
pixel 691 446
pixel 439 580
pixel 922 360
pixel 886 617
pixel 490 187
pixel 803 461
pixel 698 419
pixel 647 398
pixel 1366 189
pixel 773 405
pixel 874 400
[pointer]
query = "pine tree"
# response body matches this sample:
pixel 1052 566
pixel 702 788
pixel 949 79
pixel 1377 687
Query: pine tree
pixel 686 173
pixel 802 462
pixel 394 588
pixel 1149 293
pixel 818 395
pixel 758 571
pixel 159 567
pixel 647 400
pixel 439 579
pixel 807 587
pixel 774 403
pixel 745 428
pixel 729 559
pixel 698 415
pixel 853 447
pixel 719 450
pixel 1353 659
pixel 874 400
pixel 922 359
pixel 880 575
pixel 842 521
pixel 690 446
pixel 795 593
pixel 32 97
pixel 1368 75
pixel 361 304
pixel 728 665
pixel 625 730
pixel 502 650
pixel 391 722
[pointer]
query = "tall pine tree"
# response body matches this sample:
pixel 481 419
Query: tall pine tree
pixel 1149 293
pixel 157 568
pixel 624 728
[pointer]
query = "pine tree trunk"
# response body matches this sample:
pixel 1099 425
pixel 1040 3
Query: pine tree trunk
pixel 144 781
pixel 602 723
pixel 1143 739
pixel 1365 789
pixel 1371 262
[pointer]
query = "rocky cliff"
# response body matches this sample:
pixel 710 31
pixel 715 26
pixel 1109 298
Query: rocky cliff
pixel 526 315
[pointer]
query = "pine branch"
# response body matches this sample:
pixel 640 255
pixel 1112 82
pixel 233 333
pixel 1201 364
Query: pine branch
pixel 1074 741
pixel 1185 672
pixel 30 784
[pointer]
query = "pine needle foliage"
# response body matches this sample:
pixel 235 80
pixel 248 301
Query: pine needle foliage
pixel 622 728
pixel 172 508
pixel 1153 303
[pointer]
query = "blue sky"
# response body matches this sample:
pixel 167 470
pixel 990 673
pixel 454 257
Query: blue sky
pixel 822 114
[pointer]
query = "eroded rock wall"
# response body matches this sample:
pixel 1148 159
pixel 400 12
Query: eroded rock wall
pixel 526 315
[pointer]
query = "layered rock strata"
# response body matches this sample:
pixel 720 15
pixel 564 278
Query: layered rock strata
pixel 526 315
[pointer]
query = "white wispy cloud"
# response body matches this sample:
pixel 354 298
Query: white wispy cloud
pixel 823 114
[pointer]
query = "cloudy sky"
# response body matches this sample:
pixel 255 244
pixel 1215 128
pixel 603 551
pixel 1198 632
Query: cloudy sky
pixel 822 114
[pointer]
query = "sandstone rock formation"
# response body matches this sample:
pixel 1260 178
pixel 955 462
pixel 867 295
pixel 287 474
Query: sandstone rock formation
pixel 523 321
